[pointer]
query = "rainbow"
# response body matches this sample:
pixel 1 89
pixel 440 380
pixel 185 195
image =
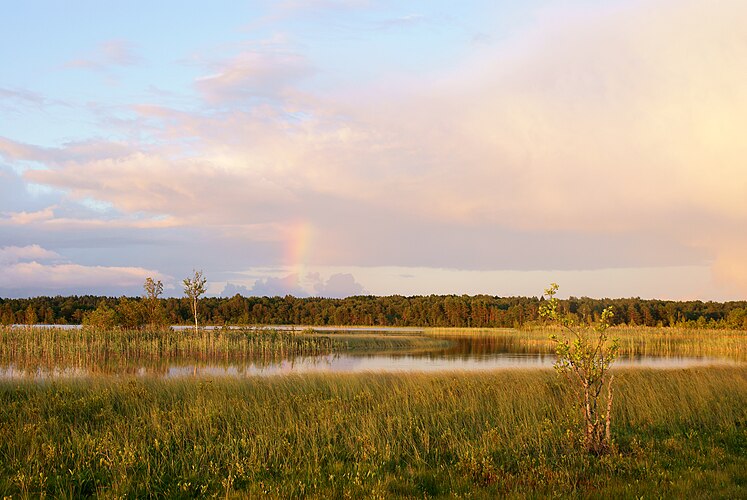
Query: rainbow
pixel 299 240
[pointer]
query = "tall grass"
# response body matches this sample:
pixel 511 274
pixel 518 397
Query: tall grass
pixel 650 341
pixel 352 436
pixel 33 350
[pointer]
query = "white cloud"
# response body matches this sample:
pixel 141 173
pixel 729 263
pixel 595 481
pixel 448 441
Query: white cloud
pixel 44 271
pixel 12 254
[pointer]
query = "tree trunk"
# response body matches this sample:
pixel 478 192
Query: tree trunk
pixel 608 420
pixel 194 310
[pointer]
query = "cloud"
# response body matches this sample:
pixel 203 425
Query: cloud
pixel 608 136
pixel 42 278
pixel 269 287
pixel 232 289
pixel 36 270
pixel 71 152
pixel 24 218
pixel 14 254
pixel 19 100
pixel 23 95
pixel 151 183
pixel 254 74
pixel 107 54
pixel 339 285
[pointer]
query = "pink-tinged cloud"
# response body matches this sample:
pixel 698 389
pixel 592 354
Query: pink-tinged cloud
pixel 40 276
pixel 34 267
pixel 254 74
pixel 621 122
pixel 46 219
pixel 82 151
pixel 12 254
pixel 193 190
pixel 26 218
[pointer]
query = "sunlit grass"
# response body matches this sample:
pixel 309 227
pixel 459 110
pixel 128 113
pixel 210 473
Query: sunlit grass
pixel 28 350
pixel 355 436
pixel 649 341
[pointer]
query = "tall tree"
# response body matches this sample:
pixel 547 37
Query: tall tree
pixel 194 287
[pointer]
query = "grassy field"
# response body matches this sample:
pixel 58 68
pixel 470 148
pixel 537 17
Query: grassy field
pixel 678 433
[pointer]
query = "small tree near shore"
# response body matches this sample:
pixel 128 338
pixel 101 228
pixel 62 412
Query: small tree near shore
pixel 584 356
pixel 153 289
pixel 194 287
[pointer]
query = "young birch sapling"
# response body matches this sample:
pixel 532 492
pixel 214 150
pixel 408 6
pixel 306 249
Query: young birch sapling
pixel 584 355
pixel 194 287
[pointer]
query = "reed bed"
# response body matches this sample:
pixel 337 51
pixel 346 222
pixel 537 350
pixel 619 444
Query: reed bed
pixel 55 350
pixel 678 432
pixel 634 341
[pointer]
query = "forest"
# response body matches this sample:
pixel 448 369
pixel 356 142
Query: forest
pixel 464 311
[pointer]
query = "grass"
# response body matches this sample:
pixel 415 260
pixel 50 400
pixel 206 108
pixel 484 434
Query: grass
pixel 678 432
pixel 32 350
pixel 731 344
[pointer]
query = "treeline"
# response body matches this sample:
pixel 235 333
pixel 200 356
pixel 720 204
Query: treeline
pixel 432 310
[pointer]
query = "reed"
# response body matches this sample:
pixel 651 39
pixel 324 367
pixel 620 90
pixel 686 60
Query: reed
pixel 54 350
pixel 633 341
pixel 677 432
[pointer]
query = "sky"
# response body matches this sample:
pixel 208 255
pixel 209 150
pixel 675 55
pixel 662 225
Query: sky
pixel 345 147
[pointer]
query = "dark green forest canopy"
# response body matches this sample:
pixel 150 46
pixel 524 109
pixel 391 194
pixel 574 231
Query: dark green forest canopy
pixel 426 311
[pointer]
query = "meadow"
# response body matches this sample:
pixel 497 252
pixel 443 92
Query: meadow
pixel 501 433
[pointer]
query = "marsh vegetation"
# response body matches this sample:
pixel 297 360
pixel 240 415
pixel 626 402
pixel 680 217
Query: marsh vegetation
pixel 499 432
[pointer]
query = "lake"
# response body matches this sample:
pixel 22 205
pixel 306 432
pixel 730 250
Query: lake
pixel 464 353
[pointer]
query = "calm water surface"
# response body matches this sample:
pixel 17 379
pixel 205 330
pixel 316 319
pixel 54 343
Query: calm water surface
pixel 465 354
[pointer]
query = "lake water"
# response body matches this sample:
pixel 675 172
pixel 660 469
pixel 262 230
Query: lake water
pixel 464 354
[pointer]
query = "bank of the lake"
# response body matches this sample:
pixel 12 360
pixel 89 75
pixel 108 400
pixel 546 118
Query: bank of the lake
pixel 679 432
pixel 53 353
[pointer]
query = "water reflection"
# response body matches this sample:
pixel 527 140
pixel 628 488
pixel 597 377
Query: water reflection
pixel 345 363
pixel 272 351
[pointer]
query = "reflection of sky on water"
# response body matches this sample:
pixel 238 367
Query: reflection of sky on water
pixel 337 363
pixel 463 354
